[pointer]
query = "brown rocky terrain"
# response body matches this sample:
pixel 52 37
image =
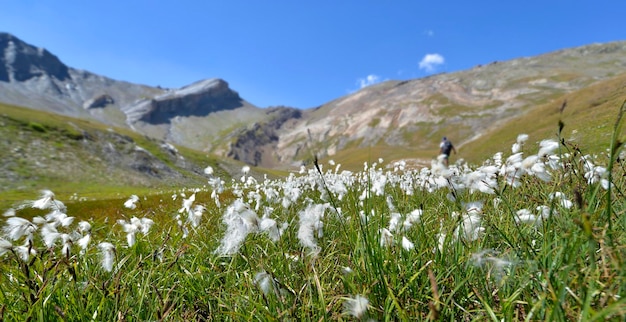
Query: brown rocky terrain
pixel 209 116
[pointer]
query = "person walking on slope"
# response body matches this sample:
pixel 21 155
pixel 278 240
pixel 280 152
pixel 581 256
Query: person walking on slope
pixel 445 147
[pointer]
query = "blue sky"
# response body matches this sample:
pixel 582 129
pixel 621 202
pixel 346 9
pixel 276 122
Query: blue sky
pixel 302 53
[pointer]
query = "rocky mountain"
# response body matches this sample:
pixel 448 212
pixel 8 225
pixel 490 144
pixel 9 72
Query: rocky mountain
pixel 462 105
pixel 191 116
pixel 210 117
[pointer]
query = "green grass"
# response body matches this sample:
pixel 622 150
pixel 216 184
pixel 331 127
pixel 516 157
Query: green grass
pixel 569 265
pixel 588 118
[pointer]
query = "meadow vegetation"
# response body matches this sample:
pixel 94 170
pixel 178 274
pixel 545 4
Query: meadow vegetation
pixel 532 233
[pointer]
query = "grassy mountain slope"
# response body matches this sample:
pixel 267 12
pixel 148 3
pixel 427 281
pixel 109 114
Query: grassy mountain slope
pixel 411 116
pixel 589 117
pixel 41 150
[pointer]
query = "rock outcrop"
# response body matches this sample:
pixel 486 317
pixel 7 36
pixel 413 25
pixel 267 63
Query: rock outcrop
pixel 254 145
pixel 197 99
pixel 20 61
pixel 99 101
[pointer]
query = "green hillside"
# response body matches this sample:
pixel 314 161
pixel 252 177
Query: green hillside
pixel 41 150
pixel 589 117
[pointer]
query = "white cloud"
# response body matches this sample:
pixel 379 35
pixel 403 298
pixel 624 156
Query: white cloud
pixel 367 81
pixel 430 62
pixel 429 33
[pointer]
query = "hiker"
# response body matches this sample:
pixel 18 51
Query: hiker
pixel 445 147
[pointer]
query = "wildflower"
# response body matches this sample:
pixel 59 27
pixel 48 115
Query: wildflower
pixel 45 201
pixel 378 185
pixel 130 230
pixel 526 217
pixel 135 225
pixel 271 226
pixel 441 241
pixel 562 199
pixel 58 218
pixel 131 202
pixel 240 221
pixel 522 138
pixel 517 146
pixel 311 226
pixel 386 238
pixel 394 221
pixel 67 244
pixel 195 215
pixel 187 203
pixel 17 227
pixel 49 235
pixel 265 282
pixel 83 242
pixel 407 244
pixel 108 254
pixel 470 227
pixel 84 227
pixel 208 170
pixel 25 251
pixel 497 264
pixel 412 218
pixel 5 246
pixel 545 212
pixel 356 306
pixel 547 147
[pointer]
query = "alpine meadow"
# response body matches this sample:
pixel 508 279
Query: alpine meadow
pixel 125 202
pixel 525 235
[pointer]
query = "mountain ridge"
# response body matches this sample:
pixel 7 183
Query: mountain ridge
pixel 409 114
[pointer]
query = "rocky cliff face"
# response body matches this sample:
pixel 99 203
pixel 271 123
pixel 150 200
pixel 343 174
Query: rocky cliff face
pixel 22 62
pixel 256 144
pixel 198 99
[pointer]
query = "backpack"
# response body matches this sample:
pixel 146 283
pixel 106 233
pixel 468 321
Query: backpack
pixel 447 147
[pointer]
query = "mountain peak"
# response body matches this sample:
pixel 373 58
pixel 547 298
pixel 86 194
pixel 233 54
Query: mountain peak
pixel 20 61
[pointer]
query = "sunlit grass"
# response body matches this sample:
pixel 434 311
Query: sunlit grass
pixel 530 236
pixel 534 235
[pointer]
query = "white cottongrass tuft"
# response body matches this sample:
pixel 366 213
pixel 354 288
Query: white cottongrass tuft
pixel 108 255
pixel 547 147
pixel 386 237
pixel 407 244
pixel 470 227
pixel 526 217
pixel 412 218
pixel 208 170
pixel 58 218
pixel 9 213
pixel 561 199
pixel 47 201
pixel 356 306
pixel 265 282
pixel 17 227
pixel 131 203
pixel 240 221
pixel 25 251
pixel 499 266
pixel 311 226
pixel 133 226
pixel 5 246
